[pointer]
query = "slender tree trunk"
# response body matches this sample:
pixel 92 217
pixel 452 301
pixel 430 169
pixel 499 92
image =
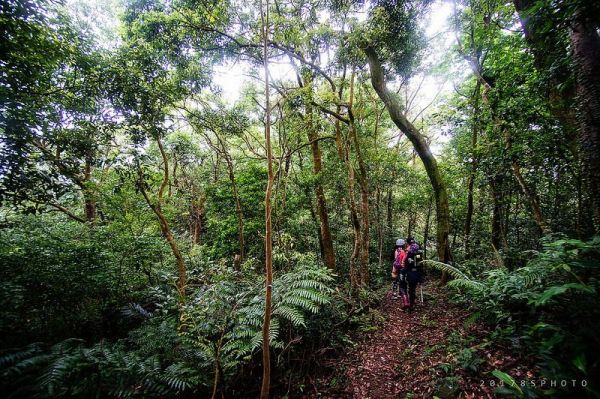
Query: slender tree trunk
pixel 454 234
pixel 507 211
pixel 422 149
pixel 390 212
pixel 495 185
pixel 379 226
pixel 585 42
pixel 238 206
pixel 411 222
pixel 364 191
pixel 164 224
pixel 364 258
pixel 481 206
pixel 355 280
pixel 266 380
pixel 196 219
pixel 313 216
pixel 473 171
pixel 531 198
pixel 88 195
pixel 326 239
pixel 515 224
pixel 426 231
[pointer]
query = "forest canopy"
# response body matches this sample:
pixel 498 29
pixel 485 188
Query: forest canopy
pixel 204 198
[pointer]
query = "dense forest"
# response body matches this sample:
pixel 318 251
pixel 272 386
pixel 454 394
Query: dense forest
pixel 203 198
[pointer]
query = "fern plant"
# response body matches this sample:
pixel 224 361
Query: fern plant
pixel 221 331
pixel 296 294
pixel 461 279
pixel 551 303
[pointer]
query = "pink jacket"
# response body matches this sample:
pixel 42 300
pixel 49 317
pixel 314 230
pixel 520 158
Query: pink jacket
pixel 400 257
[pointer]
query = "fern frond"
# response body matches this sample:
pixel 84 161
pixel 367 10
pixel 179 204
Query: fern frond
pixel 465 283
pixel 293 315
pixel 444 267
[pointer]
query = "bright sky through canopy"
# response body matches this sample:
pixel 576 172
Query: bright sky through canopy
pixel 232 76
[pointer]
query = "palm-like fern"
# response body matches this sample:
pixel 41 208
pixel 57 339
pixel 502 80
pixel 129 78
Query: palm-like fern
pixel 295 295
pixel 461 279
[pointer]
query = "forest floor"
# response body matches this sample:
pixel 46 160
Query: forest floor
pixel 433 351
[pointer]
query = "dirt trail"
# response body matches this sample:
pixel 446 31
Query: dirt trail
pixel 416 355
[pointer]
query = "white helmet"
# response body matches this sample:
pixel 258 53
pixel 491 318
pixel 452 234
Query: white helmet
pixel 400 242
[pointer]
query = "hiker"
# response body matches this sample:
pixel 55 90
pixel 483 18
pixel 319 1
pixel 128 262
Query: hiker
pixel 399 272
pixel 413 264
pixel 398 255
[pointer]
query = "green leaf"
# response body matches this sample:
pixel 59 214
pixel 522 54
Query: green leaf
pixel 508 380
pixel 580 363
pixel 558 290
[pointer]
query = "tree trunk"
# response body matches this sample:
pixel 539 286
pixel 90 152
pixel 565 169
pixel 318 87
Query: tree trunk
pixel 473 171
pixel 238 205
pixel 196 219
pixel 422 149
pixel 355 280
pixel 364 191
pixel 497 240
pixel 426 231
pixel 411 222
pixel 585 42
pixel 390 212
pixel 313 136
pixel 530 196
pixel 88 195
pixel 266 356
pixel 379 226
pixel 164 224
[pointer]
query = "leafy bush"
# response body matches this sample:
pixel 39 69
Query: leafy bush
pixel 177 351
pixel 550 304
pixel 63 279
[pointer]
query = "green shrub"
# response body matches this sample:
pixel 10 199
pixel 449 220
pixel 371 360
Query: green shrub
pixel 550 306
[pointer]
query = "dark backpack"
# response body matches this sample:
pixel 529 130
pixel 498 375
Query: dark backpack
pixel 413 256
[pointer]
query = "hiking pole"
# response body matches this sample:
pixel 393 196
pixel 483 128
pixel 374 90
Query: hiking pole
pixel 421 285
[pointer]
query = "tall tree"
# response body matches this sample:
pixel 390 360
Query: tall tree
pixel 422 149
pixel 473 171
pixel 266 379
pixel 313 137
pixel 585 41
pixel 54 121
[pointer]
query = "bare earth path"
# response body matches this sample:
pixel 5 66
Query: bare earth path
pixel 419 355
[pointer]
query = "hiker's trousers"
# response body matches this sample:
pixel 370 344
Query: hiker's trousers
pixel 413 278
